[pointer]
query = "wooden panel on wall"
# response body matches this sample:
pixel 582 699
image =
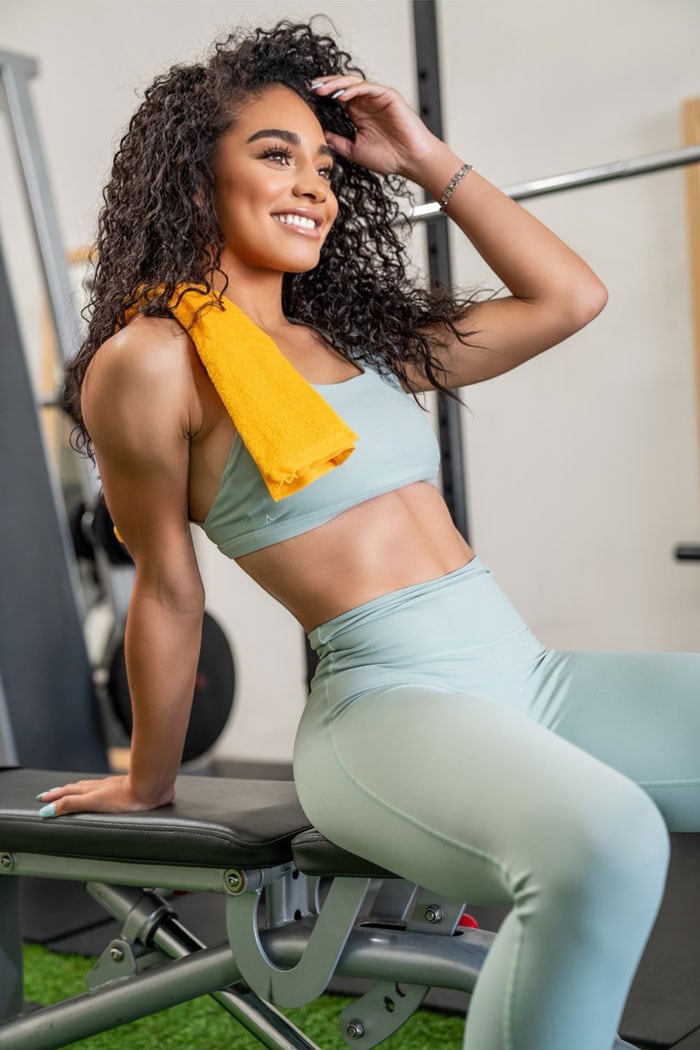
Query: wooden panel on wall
pixel 691 132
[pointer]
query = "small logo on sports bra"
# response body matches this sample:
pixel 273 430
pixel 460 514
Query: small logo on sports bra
pixel 268 519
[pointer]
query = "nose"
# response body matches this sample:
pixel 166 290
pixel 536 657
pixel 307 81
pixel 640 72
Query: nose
pixel 310 183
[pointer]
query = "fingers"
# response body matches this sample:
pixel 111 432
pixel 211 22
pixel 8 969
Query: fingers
pixel 69 798
pixel 110 794
pixel 342 146
pixel 333 84
pixel 345 88
pixel 376 112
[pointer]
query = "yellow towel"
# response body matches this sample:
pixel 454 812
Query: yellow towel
pixel 292 434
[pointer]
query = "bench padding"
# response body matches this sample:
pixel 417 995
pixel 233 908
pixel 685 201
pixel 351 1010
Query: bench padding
pixel 315 855
pixel 213 822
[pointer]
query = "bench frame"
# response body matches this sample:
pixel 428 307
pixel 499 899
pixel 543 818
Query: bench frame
pixel 311 929
pixel 303 912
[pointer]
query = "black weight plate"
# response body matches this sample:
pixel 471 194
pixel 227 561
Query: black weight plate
pixel 82 541
pixel 213 693
pixel 104 535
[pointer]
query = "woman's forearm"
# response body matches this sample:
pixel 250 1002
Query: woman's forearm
pixel 162 647
pixel 533 263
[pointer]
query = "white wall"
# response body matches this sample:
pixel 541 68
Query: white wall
pixel 582 465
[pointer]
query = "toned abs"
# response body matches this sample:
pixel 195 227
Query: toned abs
pixel 388 542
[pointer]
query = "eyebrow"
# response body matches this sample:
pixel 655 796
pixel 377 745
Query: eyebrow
pixel 287 136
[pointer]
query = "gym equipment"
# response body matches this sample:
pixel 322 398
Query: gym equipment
pixel 572 180
pixel 104 536
pixel 93 534
pixel 50 703
pixel 213 691
pixel 32 536
pixel 80 533
pixel 298 910
pixel 449 420
pixel 687 552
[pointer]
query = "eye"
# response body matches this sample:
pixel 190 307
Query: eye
pixel 278 154
pixel 326 172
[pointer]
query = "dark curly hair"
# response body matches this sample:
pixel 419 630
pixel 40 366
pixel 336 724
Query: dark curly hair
pixel 158 227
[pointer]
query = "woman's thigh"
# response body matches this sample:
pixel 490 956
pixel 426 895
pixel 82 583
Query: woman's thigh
pixel 475 801
pixel 457 792
pixel 638 713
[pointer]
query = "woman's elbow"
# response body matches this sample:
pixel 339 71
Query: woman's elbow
pixel 589 303
pixel 578 307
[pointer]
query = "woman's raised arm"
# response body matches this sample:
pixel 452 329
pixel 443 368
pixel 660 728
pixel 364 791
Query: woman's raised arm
pixel 553 291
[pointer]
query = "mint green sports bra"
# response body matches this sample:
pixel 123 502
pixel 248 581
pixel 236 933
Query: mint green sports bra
pixel 396 447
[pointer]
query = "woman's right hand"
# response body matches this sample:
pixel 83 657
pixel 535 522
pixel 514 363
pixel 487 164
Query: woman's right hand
pixel 390 137
pixel 113 794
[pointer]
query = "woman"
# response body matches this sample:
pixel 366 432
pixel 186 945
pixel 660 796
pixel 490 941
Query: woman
pixel 440 740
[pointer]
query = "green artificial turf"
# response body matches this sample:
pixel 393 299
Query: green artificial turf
pixel 203 1025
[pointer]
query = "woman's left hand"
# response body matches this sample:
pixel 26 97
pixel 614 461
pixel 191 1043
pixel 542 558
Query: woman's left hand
pixel 391 138
pixel 113 794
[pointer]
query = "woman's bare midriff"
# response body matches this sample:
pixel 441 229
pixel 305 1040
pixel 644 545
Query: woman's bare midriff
pixel 389 542
pixel 386 543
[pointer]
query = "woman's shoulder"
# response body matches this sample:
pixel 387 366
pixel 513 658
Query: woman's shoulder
pixel 147 366
pixel 147 346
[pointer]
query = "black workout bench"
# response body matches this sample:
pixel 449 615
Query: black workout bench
pixel 298 911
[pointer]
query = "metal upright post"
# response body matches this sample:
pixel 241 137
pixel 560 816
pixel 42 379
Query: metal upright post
pixel 11 976
pixel 449 420
pixel 44 664
pixel 15 72
pixel 8 747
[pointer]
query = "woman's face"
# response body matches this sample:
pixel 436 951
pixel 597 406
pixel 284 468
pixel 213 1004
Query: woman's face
pixel 272 185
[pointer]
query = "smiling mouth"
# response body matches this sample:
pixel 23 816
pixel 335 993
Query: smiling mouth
pixel 299 222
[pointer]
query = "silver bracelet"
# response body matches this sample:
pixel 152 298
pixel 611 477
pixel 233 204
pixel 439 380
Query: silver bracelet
pixel 453 184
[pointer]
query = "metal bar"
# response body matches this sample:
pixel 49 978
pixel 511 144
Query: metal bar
pixel 122 1001
pixel 15 71
pixel 124 873
pixel 11 990
pixel 371 951
pixel 8 745
pixel 261 1019
pixel 619 169
pixel 45 664
pixel 378 952
pixel 449 419
pixel 688 552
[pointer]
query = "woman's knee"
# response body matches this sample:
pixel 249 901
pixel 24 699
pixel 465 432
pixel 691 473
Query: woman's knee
pixel 614 851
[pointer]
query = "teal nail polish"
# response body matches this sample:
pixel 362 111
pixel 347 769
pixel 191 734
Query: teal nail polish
pixel 47 792
pixel 316 84
pixel 48 811
pixel 337 94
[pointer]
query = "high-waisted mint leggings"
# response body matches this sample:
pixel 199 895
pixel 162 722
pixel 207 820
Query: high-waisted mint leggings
pixel 444 742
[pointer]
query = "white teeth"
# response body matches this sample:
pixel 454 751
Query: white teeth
pixel 296 220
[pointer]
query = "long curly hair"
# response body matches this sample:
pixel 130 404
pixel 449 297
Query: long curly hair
pixel 158 227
